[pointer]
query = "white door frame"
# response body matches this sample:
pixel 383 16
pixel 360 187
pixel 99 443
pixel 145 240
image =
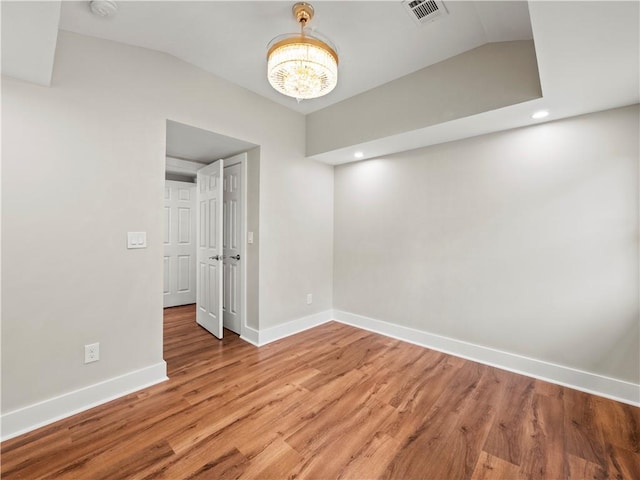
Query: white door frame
pixel 241 158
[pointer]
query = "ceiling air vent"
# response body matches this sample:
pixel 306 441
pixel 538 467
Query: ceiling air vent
pixel 424 11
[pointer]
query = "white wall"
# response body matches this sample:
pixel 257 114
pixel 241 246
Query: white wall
pixel 253 250
pixel 296 237
pixel 486 78
pixel 83 163
pixel 524 241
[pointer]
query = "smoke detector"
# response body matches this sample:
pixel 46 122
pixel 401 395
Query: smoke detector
pixel 103 8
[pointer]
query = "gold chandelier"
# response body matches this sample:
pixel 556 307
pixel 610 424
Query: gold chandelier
pixel 301 65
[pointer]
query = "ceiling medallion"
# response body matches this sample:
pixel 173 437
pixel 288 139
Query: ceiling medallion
pixel 302 65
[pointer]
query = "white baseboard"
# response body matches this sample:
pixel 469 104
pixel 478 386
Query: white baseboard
pixel 250 335
pixel 39 414
pixel 566 376
pixel 298 325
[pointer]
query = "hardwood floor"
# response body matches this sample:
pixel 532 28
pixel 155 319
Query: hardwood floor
pixel 330 403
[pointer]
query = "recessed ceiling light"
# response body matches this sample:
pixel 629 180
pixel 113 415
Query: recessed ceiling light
pixel 540 114
pixel 358 154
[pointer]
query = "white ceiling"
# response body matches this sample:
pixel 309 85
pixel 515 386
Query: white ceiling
pixel 29 37
pixel 588 59
pixel 588 52
pixel 202 146
pixel 377 40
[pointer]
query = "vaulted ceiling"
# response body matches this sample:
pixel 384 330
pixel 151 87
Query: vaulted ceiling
pixel 377 41
pixel 587 52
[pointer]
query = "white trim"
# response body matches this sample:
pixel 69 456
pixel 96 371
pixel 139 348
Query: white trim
pixel 179 183
pixel 243 244
pixel 239 158
pixel 39 414
pixel 298 325
pixel 250 335
pixel 595 384
pixel 178 166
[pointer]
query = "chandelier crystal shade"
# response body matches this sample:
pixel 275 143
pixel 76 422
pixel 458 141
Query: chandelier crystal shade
pixel 301 65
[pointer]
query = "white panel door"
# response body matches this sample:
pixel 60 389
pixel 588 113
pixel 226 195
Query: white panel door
pixel 179 243
pixel 232 244
pixel 209 250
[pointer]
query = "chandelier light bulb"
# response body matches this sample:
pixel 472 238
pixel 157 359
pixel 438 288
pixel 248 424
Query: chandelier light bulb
pixel 302 66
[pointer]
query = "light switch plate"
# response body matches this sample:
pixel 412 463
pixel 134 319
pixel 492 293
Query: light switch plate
pixel 249 237
pixel 136 239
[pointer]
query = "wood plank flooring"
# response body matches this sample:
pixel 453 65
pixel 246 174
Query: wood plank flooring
pixel 334 402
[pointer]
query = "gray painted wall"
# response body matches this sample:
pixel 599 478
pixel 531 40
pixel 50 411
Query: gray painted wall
pixel 524 240
pixel 486 78
pixel 253 250
pixel 83 163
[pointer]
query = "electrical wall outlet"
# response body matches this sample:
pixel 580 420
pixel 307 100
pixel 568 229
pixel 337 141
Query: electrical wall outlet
pixel 309 298
pixel 91 353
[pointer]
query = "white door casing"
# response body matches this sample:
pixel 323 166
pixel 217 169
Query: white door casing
pixel 179 244
pixel 232 247
pixel 209 248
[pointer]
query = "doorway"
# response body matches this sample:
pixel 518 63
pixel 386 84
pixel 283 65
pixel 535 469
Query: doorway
pixel 191 274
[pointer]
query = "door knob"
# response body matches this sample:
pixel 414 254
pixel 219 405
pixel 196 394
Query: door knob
pixel 236 257
pixel 216 257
